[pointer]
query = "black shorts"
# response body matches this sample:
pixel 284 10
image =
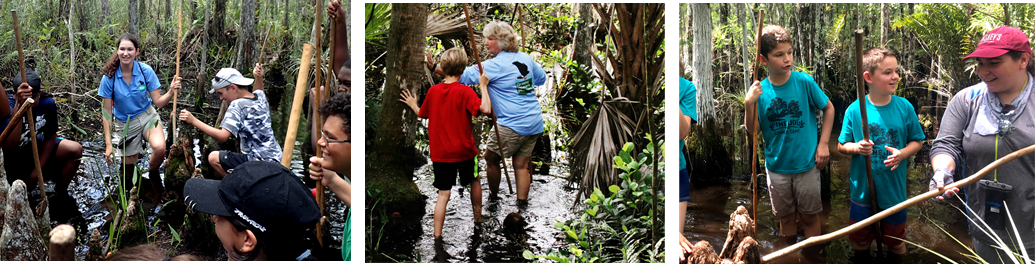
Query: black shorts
pixel 230 160
pixel 446 173
pixel 19 166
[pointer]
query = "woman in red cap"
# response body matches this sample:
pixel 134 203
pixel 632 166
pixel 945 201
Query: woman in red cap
pixel 983 123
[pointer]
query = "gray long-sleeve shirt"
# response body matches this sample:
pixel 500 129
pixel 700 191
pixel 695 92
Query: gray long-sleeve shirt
pixel 972 152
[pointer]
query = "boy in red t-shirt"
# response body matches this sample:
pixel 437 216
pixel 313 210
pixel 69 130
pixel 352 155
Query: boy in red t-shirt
pixel 449 106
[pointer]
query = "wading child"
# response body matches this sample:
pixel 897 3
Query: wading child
pixel 59 157
pixel 793 154
pixel 895 135
pixel 247 118
pixel 687 115
pixel 449 106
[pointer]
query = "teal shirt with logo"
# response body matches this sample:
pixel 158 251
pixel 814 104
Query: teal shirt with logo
pixel 788 123
pixel 687 104
pixel 894 125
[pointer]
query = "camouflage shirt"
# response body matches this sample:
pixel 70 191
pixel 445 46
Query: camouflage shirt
pixel 249 120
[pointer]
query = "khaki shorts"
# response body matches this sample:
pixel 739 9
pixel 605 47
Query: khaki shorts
pixel 799 192
pixel 129 139
pixel 514 144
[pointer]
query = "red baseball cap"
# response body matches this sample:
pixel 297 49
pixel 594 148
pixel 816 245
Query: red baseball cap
pixel 999 41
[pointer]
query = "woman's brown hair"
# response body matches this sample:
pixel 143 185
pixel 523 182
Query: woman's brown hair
pixel 113 63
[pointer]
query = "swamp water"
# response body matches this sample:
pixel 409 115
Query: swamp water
pixel 711 204
pixel 549 201
pixel 96 180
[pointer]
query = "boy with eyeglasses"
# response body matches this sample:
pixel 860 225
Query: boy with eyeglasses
pixel 247 118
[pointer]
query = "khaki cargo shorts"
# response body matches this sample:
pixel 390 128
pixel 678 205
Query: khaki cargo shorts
pixel 514 144
pixel 128 139
pixel 799 192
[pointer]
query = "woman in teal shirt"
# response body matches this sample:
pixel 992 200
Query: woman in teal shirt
pixel 129 89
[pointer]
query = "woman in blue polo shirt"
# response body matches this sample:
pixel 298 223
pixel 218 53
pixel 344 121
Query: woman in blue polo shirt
pixel 129 89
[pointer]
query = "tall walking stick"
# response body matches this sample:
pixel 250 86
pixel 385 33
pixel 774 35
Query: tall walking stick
pixel 179 42
pixel 866 136
pixel 315 103
pixel 754 132
pixel 32 120
pixel 470 31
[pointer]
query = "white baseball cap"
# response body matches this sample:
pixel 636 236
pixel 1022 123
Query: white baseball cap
pixel 227 76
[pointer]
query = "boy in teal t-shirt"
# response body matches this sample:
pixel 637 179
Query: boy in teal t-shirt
pixel 895 135
pixel 687 115
pixel 793 153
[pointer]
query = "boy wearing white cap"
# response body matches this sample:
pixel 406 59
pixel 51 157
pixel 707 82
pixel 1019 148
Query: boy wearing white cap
pixel 247 118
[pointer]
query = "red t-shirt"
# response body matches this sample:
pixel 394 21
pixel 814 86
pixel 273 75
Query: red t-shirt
pixel 448 108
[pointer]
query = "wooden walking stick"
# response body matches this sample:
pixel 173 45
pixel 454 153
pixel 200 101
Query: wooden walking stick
pixel 315 103
pixel 36 159
pixel 499 142
pixel 32 120
pixel 972 179
pixel 754 131
pixel 179 42
pixel 861 85
pixel 18 43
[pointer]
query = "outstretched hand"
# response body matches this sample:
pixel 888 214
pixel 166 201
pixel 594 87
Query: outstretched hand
pixel 187 117
pixel 408 98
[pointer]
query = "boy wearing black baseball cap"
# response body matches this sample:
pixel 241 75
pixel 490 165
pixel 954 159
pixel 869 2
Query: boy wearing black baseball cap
pixel 59 157
pixel 261 210
pixel 247 118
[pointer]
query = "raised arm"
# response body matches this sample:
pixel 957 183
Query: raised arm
pixel 160 100
pixel 483 87
pixel 341 44
pixel 258 73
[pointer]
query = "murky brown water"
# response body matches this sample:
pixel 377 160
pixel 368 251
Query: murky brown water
pixel 711 204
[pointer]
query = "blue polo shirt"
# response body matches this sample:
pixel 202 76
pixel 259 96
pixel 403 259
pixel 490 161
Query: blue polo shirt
pixel 512 80
pixel 130 100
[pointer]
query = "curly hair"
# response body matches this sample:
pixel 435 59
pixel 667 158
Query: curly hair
pixel 339 105
pixel 772 35
pixel 113 62
pixel 504 35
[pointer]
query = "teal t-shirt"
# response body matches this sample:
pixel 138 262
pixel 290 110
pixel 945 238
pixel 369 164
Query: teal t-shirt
pixel 894 125
pixel 687 104
pixel 788 123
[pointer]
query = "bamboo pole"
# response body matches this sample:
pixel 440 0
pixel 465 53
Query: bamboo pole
pixel 499 142
pixel 972 179
pixel 315 103
pixel 179 42
pixel 866 135
pixel 296 104
pixel 754 131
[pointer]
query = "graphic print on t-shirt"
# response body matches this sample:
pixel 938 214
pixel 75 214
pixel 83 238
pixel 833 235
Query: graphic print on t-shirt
pixel 524 85
pixel 881 137
pixel 784 117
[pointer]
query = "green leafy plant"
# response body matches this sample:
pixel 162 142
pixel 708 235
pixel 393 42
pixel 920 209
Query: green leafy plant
pixel 1005 246
pixel 616 227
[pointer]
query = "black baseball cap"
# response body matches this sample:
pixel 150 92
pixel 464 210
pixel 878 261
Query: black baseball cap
pixel 266 196
pixel 34 80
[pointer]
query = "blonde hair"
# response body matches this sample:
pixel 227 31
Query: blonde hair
pixel 872 58
pixel 453 61
pixel 504 35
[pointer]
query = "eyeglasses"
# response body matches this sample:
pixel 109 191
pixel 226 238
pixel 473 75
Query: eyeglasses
pixel 329 141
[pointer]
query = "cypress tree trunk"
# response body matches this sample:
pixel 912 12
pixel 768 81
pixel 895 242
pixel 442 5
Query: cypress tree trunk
pixel 702 61
pixel 246 35
pixel 133 18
